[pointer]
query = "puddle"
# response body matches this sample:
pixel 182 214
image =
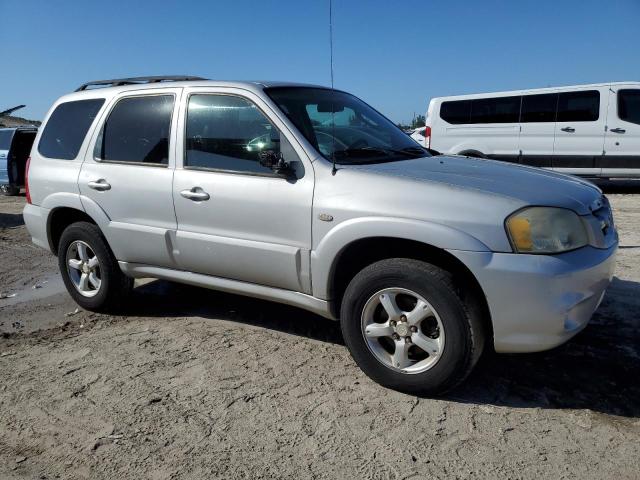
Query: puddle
pixel 47 287
pixel 53 285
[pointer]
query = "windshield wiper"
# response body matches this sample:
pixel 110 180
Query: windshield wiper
pixel 368 152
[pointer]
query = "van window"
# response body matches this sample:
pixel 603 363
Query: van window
pixel 456 112
pixel 629 105
pixel 137 131
pixel 66 128
pixel 579 106
pixel 495 110
pixel 539 108
pixel 226 132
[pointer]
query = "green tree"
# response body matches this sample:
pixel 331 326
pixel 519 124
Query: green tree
pixel 419 121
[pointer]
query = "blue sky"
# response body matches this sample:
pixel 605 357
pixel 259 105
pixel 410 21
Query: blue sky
pixel 394 54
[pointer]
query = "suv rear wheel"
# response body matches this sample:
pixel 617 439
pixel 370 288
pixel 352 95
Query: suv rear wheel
pixel 89 269
pixel 407 328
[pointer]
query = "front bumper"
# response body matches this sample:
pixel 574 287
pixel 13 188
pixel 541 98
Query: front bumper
pixel 538 302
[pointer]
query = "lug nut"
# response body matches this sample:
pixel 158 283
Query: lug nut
pixel 407 339
pixel 414 329
pixel 403 318
pixel 393 323
pixel 396 336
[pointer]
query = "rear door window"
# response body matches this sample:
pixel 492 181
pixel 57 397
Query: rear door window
pixel 539 108
pixel 66 128
pixel 495 110
pixel 456 111
pixel 137 131
pixel 629 105
pixel 579 106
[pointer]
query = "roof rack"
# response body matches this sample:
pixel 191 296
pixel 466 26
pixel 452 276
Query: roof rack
pixel 116 82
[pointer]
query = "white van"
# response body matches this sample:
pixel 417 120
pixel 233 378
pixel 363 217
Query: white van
pixel 590 130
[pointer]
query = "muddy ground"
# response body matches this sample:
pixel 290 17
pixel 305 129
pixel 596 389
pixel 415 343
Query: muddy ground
pixel 192 383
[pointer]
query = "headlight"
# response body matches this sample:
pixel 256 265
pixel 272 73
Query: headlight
pixel 546 230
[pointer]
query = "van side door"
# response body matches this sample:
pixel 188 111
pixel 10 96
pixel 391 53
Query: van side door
pixel 579 131
pixel 238 219
pixel 128 174
pixel 622 138
pixel 537 129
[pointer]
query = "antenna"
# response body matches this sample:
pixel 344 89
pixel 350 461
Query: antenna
pixel 333 109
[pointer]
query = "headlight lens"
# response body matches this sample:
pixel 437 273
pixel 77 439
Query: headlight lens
pixel 546 230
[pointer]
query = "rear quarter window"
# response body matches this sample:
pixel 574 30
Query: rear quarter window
pixel 456 111
pixel 66 128
pixel 5 139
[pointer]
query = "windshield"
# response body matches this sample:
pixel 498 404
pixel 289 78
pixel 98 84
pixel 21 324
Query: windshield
pixel 338 124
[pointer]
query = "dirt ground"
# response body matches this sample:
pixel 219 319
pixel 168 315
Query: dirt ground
pixel 195 384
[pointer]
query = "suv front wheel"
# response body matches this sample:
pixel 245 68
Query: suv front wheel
pixel 407 328
pixel 89 269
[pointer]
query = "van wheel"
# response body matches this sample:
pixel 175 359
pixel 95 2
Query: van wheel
pixel 473 154
pixel 89 269
pixel 407 328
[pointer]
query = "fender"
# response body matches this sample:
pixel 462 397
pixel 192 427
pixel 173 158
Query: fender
pixel 74 201
pixel 96 212
pixel 323 258
pixel 61 200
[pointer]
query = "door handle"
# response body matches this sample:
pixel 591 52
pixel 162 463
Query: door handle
pixel 196 194
pixel 100 185
pixel 617 130
pixel 568 129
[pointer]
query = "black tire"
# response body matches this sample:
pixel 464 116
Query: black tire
pixel 10 191
pixel 115 287
pixel 473 154
pixel 463 333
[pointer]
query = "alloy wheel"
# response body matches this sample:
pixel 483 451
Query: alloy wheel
pixel 402 330
pixel 83 268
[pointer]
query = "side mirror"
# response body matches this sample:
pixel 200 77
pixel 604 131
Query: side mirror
pixel 275 161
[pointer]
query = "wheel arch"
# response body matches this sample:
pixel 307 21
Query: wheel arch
pixel 59 219
pixel 363 252
pixel 331 248
pixel 472 153
pixel 70 209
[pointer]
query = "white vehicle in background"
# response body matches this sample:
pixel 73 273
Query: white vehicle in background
pixel 590 130
pixel 419 136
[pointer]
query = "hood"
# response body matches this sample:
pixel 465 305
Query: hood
pixel 530 185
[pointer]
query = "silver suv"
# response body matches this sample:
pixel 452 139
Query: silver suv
pixel 308 196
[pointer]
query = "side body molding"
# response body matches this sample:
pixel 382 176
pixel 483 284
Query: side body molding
pixel 324 257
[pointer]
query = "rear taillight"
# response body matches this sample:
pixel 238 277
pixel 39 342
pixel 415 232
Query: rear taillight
pixel 26 180
pixel 427 136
